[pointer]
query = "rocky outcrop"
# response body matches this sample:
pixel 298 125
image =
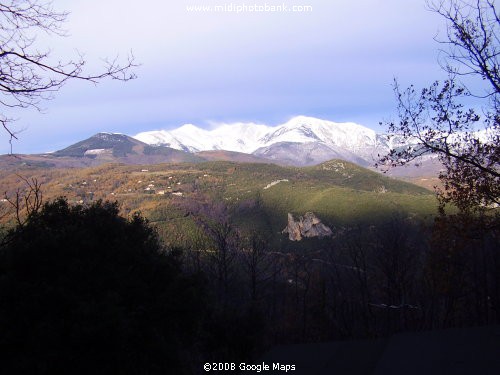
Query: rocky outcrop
pixel 307 226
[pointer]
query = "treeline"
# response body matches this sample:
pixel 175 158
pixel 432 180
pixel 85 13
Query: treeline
pixel 84 290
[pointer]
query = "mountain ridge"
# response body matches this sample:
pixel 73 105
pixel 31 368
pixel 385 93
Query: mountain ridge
pixel 348 139
pixel 302 141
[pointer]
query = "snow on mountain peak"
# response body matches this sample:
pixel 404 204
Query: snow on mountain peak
pixel 248 137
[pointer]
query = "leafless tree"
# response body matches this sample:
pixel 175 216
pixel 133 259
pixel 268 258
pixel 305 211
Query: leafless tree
pixel 23 204
pixel 213 218
pixel 436 120
pixel 30 74
pixel 471 45
pixel 258 263
pixel 28 203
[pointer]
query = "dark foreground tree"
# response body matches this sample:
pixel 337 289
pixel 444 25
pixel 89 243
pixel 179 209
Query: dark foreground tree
pixel 83 290
pixel 28 71
pixel 436 119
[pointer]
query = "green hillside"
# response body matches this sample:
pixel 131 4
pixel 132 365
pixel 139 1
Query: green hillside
pixel 257 196
pixel 260 196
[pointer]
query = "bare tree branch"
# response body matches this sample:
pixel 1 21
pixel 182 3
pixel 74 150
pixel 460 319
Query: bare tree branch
pixel 436 120
pixel 28 75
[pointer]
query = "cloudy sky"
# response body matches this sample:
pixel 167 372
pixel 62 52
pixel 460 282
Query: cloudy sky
pixel 335 62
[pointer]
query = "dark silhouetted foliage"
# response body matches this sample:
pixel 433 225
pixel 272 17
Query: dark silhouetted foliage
pixel 83 290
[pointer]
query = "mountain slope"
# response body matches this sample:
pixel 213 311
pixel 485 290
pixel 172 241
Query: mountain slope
pixel 112 147
pixel 99 149
pixel 102 143
pixel 332 188
pixel 304 154
pixel 238 157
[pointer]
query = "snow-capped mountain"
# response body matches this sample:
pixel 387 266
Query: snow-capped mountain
pixel 321 140
pixel 239 137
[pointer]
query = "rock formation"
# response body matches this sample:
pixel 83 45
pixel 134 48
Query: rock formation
pixel 307 226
